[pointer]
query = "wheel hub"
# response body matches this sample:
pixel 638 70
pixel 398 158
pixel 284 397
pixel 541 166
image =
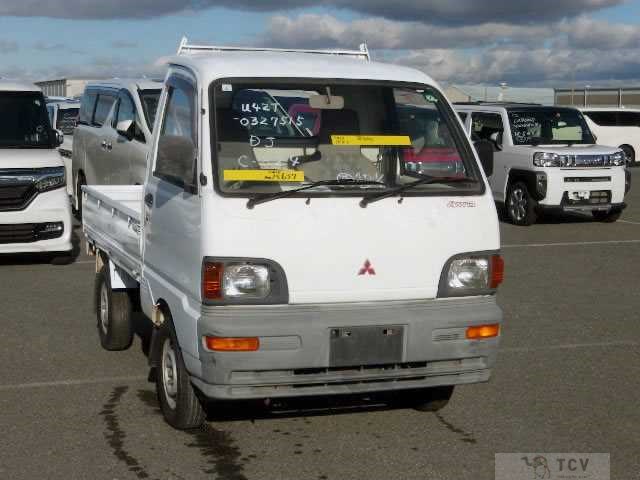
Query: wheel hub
pixel 518 204
pixel 169 373
pixel 104 309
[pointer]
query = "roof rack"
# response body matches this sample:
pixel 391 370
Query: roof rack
pixel 186 48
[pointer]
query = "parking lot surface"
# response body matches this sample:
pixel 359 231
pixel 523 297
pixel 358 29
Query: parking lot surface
pixel 567 380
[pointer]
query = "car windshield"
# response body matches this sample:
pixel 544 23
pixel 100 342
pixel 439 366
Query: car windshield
pixel 352 137
pixel 24 122
pixel 67 119
pixel 548 125
pixel 149 99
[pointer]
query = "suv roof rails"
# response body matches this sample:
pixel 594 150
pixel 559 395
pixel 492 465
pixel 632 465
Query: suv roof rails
pixel 186 48
pixel 498 104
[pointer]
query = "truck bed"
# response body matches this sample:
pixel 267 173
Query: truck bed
pixel 111 221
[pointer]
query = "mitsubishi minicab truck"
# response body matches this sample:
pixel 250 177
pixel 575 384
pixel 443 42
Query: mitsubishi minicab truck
pixel 35 215
pixel 547 160
pixel 311 224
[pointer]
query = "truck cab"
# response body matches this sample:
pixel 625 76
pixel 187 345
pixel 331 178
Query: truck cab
pixel 546 160
pixel 35 213
pixel 299 234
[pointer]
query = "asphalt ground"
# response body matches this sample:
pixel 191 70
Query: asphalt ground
pixel 567 380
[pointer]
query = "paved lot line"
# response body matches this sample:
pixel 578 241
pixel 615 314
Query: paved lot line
pixel 572 346
pixel 571 244
pixel 71 383
pixel 627 221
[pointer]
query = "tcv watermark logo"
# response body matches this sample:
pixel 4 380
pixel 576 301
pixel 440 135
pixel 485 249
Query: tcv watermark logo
pixel 553 466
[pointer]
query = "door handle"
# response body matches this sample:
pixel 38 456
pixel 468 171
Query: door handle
pixel 104 144
pixel 148 200
pixel 109 146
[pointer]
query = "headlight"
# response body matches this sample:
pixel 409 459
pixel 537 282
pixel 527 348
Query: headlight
pixel 50 179
pixel 471 274
pixel 237 281
pixel 617 158
pixel 246 281
pixel 546 159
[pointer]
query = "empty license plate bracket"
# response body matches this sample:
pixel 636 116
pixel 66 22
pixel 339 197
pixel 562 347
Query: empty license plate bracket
pixel 353 346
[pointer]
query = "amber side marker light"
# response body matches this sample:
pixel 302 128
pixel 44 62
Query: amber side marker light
pixel 483 332
pixel 224 344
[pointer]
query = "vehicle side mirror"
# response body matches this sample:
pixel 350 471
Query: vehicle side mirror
pixel 484 149
pixel 59 138
pixel 176 161
pixel 496 139
pixel 125 128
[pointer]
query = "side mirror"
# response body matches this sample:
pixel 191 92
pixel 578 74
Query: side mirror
pixel 496 138
pixel 59 138
pixel 484 149
pixel 125 128
pixel 176 161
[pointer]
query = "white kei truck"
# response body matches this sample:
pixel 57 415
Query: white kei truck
pixel 311 224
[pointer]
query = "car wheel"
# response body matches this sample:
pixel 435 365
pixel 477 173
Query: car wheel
pixel 611 216
pixel 630 155
pixel 113 313
pixel 178 399
pixel 520 205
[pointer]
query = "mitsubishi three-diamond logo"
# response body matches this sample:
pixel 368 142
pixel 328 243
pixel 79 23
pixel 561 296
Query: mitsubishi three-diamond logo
pixel 367 269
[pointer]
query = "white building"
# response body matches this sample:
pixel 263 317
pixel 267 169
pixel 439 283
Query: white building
pixel 502 93
pixel 64 87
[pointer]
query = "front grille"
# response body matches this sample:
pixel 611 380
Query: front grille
pixel 16 196
pixel 596 197
pixel 586 179
pixel 30 232
pixel 585 161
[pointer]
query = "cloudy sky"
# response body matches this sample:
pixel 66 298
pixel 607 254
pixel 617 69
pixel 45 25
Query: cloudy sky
pixel 522 42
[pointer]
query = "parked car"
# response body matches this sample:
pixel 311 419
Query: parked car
pixel 63 116
pixel 35 215
pixel 546 160
pixel 285 256
pixel 113 135
pixel 616 126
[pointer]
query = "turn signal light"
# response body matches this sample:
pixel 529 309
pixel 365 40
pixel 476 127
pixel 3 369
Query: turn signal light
pixel 223 344
pixel 212 281
pixel 497 271
pixel 483 332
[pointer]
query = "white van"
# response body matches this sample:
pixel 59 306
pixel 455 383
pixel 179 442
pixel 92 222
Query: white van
pixel 114 130
pixel 35 214
pixel 546 160
pixel 301 232
pixel 616 126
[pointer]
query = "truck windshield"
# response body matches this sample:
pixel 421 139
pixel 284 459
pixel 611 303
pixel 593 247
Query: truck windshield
pixel 345 137
pixel 24 122
pixel 549 125
pixel 149 99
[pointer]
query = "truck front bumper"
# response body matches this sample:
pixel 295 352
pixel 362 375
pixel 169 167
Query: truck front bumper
pixel 294 358
pixel 21 230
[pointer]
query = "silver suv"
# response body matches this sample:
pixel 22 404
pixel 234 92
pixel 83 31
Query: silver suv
pixel 114 133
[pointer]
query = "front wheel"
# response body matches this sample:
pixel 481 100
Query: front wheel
pixel 178 400
pixel 610 216
pixel 520 205
pixel 630 155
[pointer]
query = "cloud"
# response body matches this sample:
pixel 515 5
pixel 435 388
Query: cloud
pixel 468 12
pixel 124 44
pixel 587 33
pixel 8 46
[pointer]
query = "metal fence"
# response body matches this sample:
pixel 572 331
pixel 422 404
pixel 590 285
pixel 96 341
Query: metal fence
pixel 599 97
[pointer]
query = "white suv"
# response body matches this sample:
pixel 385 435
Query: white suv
pixel 546 159
pixel 112 138
pixel 616 126
pixel 35 215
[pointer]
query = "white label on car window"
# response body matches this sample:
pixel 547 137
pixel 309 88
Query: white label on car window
pixel 226 87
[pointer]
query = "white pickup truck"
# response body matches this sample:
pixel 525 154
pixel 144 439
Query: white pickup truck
pixel 312 223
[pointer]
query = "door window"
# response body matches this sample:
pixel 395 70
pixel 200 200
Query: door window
pixel 484 125
pixel 176 158
pixel 87 107
pixel 103 107
pixel 127 111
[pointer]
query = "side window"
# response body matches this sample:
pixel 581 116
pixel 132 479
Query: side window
pixel 629 119
pixel 103 107
pixel 51 111
pixel 87 106
pixel 176 158
pixel 127 111
pixel 463 116
pixel 484 125
pixel 604 119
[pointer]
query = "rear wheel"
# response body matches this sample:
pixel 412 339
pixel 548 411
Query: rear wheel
pixel 113 312
pixel 520 205
pixel 630 155
pixel 178 400
pixel 607 217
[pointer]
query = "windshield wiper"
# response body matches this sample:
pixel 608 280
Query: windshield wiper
pixel 423 181
pixel 268 197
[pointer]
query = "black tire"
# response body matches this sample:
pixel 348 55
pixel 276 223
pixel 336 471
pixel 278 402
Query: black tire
pixel 520 205
pixel 77 205
pixel 426 400
pixel 611 216
pixel 630 154
pixel 178 399
pixel 113 313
